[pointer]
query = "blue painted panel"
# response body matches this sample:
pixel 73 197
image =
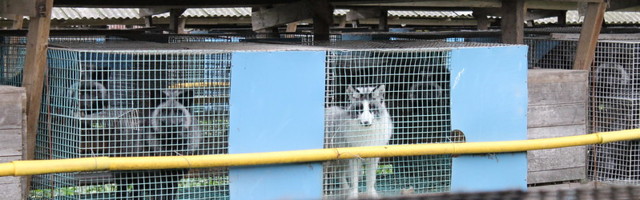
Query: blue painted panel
pixel 276 104
pixel 489 103
pixel 300 181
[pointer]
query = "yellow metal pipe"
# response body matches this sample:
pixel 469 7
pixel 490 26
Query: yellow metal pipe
pixel 34 167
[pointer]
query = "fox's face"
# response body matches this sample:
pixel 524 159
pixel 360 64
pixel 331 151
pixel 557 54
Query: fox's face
pixel 367 104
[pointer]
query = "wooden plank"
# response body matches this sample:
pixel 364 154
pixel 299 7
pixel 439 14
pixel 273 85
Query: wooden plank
pixel 18 22
pixel 11 8
pixel 556 115
pixel 550 87
pixel 560 158
pixel 556 131
pixel 281 15
pixel 12 106
pixel 589 35
pixel 11 142
pixel 513 12
pixel 292 27
pixel 11 188
pixel 556 76
pixel 33 76
pixel 559 175
pixel 557 93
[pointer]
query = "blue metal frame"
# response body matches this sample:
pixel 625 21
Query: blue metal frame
pixel 277 104
pixel 489 103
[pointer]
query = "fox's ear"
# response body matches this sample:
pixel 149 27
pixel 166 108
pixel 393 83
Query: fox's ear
pixel 378 93
pixel 353 93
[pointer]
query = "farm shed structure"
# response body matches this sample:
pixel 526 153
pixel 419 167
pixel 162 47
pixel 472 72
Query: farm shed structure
pixel 272 13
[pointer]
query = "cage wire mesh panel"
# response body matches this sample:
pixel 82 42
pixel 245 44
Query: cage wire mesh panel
pixel 600 193
pixel 13 50
pixel 387 97
pixel 615 105
pixel 134 103
pixel 549 53
pixel 302 38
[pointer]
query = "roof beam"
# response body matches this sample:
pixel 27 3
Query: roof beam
pixel 281 14
pixel 591 27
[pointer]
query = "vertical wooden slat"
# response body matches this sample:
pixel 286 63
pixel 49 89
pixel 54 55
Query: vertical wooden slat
pixel 174 20
pixel 18 22
pixel 292 27
pixel 481 18
pixel 322 19
pixel 562 18
pixel 513 12
pixel 34 70
pixel 383 23
pixel 589 35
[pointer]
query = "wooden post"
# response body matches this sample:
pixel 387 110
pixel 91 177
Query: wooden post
pixel 322 19
pixel 148 21
pixel 589 35
pixel 383 23
pixel 562 18
pixel 343 22
pixel 513 12
pixel 481 18
pixel 35 67
pixel 292 27
pixel 18 22
pixel 174 20
pixel 182 23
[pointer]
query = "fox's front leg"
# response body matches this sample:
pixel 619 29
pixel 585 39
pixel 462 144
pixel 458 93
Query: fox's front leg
pixel 354 175
pixel 371 167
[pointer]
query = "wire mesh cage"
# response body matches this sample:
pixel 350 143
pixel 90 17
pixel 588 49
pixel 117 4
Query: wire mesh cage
pixel 615 105
pixel 150 99
pixel 13 50
pixel 549 53
pixel 387 97
pixel 389 92
pixel 614 100
pixel 134 103
pixel 602 193
pixel 301 38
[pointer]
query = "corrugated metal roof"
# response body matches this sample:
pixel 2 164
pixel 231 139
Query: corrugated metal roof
pixel 66 13
pixel 610 17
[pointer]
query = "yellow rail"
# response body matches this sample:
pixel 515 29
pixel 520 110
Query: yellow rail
pixel 34 167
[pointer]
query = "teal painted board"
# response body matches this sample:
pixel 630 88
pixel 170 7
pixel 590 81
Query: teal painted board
pixel 276 104
pixel 489 103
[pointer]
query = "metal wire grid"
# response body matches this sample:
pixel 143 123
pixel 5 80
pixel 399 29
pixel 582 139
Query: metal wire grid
pixel 614 101
pixel 602 193
pixel 13 50
pixel 416 97
pixel 303 38
pixel 551 54
pixel 615 105
pixel 111 103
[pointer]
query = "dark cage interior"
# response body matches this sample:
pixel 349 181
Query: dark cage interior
pixel 146 103
pixel 417 98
